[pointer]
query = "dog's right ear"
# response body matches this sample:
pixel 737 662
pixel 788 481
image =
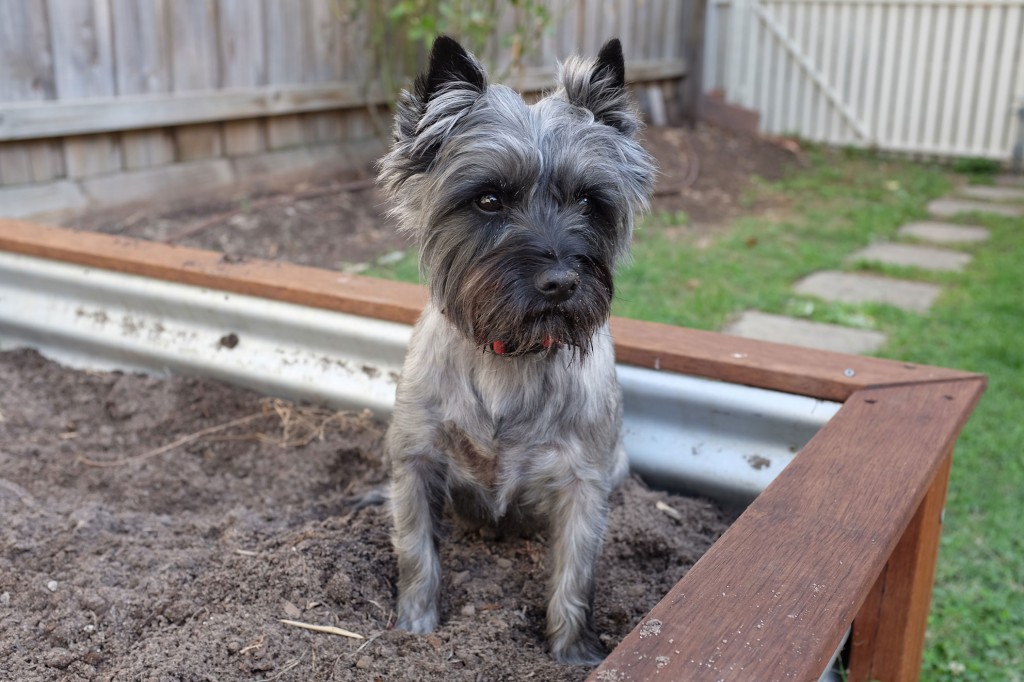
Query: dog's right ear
pixel 452 70
pixel 450 66
pixel 426 115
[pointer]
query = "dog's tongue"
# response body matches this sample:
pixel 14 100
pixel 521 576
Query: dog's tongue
pixel 498 347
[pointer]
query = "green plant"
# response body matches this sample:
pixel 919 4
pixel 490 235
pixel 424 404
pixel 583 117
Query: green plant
pixel 399 32
pixel 976 166
pixel 977 170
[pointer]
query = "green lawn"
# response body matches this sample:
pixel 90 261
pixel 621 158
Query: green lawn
pixel 824 212
pixel 977 623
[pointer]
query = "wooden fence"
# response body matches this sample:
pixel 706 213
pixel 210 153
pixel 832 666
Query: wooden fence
pixel 931 77
pixel 109 101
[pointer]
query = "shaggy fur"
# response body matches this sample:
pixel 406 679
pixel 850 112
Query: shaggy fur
pixel 508 406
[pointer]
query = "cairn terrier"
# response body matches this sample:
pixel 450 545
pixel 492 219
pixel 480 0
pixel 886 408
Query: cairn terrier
pixel 508 409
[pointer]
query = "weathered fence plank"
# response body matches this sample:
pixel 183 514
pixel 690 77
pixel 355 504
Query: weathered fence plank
pixel 196 66
pixel 26 73
pixel 34 120
pixel 79 117
pixel 83 66
pixel 141 49
pixel 286 63
pixel 323 66
pixel 243 64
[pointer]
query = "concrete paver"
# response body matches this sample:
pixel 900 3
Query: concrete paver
pixel 754 324
pixel 944 233
pixel 989 193
pixel 847 287
pixel 948 207
pixel 908 255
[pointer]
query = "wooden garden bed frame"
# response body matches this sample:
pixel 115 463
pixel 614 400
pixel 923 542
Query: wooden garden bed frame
pixel 847 533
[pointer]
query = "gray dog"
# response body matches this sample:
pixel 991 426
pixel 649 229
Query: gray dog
pixel 508 407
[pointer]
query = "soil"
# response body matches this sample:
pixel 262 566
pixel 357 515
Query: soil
pixel 162 528
pixel 339 223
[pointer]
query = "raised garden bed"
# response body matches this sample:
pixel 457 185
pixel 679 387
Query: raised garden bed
pixel 846 533
pixel 130 558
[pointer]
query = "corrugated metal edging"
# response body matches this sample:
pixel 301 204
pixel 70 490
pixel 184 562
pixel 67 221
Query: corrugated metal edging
pixel 710 438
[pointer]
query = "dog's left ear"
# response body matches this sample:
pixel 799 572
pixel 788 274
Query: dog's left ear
pixel 600 87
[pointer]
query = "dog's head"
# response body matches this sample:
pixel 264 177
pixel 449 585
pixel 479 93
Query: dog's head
pixel 521 211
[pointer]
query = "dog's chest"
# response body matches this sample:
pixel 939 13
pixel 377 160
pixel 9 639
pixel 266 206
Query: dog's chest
pixel 511 419
pixel 478 459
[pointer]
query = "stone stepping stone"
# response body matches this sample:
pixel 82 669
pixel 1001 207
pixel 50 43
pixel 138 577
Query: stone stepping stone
pixel 1010 180
pixel 754 324
pixel 908 255
pixel 849 287
pixel 944 233
pixel 988 193
pixel 947 208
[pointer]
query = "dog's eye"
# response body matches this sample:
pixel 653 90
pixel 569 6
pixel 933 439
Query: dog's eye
pixel 489 202
pixel 586 205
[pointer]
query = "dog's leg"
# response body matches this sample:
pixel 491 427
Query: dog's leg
pixel 577 531
pixel 417 496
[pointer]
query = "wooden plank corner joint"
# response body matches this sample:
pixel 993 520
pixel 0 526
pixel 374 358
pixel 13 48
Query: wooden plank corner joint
pixel 773 597
pixel 889 631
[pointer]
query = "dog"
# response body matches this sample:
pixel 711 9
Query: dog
pixel 507 408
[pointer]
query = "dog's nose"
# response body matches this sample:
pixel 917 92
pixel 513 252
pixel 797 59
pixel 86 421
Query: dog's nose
pixel 557 283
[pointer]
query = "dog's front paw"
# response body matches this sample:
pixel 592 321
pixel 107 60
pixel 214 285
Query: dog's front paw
pixel 417 620
pixel 585 649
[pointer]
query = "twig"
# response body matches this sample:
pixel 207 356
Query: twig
pixel 369 641
pixel 293 663
pixel 184 440
pixel 300 426
pixel 255 645
pixel 671 511
pixel 329 629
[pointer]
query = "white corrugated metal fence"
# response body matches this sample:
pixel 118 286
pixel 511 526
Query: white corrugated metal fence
pixel 933 77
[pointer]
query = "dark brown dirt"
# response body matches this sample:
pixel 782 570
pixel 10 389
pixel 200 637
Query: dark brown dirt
pixel 180 564
pixel 707 173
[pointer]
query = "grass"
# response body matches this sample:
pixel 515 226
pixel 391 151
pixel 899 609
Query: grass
pixel 827 214
pixel 821 214
pixel 977 171
pixel 976 630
